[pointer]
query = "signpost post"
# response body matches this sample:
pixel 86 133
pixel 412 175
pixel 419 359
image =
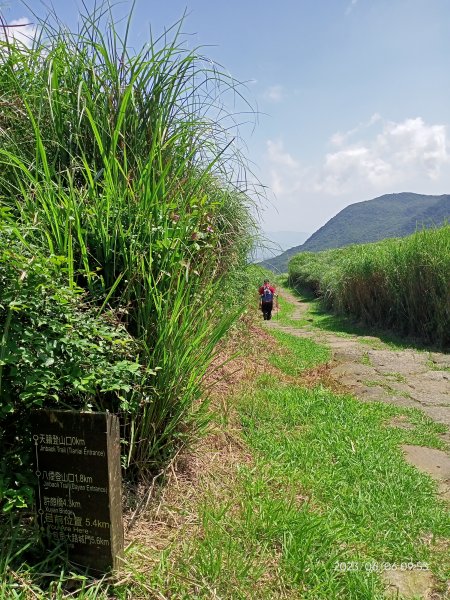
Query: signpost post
pixel 77 464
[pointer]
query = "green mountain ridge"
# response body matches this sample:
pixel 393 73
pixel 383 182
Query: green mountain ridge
pixel 390 215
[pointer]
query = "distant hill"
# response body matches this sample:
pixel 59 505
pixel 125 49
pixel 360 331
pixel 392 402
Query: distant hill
pixel 391 215
pixel 275 242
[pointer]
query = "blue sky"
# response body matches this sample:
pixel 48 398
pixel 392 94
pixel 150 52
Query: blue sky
pixel 353 95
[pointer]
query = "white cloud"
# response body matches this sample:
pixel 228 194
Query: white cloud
pixel 351 6
pixel 277 154
pixel 400 153
pixel 21 30
pixel 274 93
pixel 416 145
pixel 377 156
pixel 338 138
pixel 286 174
pixel 349 168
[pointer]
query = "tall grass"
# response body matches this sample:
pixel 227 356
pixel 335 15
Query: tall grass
pixel 125 164
pixel 403 284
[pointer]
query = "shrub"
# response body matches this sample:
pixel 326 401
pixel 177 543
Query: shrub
pixel 55 351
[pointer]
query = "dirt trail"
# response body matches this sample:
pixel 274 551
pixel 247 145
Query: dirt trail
pixel 374 372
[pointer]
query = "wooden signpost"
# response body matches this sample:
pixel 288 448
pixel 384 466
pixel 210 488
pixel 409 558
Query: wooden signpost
pixel 77 464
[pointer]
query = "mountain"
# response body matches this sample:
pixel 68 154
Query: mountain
pixel 275 242
pixel 391 215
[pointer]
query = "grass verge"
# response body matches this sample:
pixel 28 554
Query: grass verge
pixel 300 493
pixel 312 501
pixel 297 354
pixel 316 315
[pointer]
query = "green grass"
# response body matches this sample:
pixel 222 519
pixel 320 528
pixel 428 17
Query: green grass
pixel 285 315
pixel 342 476
pixel 320 498
pixel 398 377
pixel 340 452
pixel 320 317
pixel 436 367
pixel 286 310
pixel 265 543
pixel 327 487
pixel 398 284
pixel 365 359
pixel 299 354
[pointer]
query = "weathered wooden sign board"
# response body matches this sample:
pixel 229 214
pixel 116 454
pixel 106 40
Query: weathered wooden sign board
pixel 77 464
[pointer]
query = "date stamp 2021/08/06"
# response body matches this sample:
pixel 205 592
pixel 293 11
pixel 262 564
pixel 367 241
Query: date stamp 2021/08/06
pixel 374 566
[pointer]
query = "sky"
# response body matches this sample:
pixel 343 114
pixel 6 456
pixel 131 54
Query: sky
pixel 352 97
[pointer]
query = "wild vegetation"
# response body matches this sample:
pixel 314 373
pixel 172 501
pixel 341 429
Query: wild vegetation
pixel 400 284
pixel 301 491
pixel 55 351
pixel 310 496
pixel 125 226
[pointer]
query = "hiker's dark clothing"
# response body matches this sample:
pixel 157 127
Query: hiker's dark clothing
pixel 267 308
pixel 266 305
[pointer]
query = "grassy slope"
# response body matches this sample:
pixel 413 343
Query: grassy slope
pixel 399 284
pixel 319 502
pixel 300 492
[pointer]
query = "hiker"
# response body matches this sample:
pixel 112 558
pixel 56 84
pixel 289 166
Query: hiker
pixel 266 296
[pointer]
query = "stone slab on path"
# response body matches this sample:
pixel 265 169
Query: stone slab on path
pixel 407 584
pixel 434 462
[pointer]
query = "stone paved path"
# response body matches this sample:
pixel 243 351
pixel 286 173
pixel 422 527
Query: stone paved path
pixel 375 372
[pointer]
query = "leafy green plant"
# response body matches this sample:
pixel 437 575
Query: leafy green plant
pixel 55 351
pixel 126 165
